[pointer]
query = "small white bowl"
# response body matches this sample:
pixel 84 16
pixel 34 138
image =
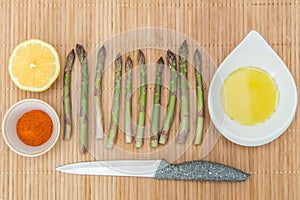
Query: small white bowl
pixel 254 51
pixel 9 127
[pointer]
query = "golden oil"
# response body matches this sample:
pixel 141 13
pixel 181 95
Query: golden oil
pixel 249 96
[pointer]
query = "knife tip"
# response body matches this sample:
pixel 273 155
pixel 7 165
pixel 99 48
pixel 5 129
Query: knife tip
pixel 60 169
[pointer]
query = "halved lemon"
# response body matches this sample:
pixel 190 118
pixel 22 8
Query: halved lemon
pixel 34 65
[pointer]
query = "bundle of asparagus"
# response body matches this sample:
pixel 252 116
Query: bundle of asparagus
pixel 158 136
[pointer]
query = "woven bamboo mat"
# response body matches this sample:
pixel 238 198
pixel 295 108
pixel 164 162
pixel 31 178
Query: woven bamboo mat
pixel 216 26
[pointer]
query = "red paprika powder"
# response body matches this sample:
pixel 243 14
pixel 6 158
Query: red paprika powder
pixel 34 128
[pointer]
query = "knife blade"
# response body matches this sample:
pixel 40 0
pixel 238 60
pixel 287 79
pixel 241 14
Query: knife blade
pixel 198 170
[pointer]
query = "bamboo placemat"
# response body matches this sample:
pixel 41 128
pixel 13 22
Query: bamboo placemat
pixel 216 26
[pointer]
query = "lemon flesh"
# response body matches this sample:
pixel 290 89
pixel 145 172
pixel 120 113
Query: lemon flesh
pixel 34 65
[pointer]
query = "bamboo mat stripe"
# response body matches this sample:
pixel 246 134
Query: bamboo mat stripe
pixel 217 26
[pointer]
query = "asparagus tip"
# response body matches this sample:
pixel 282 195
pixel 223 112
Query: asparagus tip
pixel 103 48
pixel 71 55
pixel 171 57
pixel 128 64
pixel 118 55
pixel 160 61
pixel 183 50
pixel 80 52
pixel 70 61
pixel 101 53
pixel 119 59
pixel 141 57
pixel 197 59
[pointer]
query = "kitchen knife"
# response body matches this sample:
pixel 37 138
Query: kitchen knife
pixel 198 170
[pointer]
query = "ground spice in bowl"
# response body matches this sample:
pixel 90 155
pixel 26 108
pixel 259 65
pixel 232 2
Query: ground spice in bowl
pixel 34 128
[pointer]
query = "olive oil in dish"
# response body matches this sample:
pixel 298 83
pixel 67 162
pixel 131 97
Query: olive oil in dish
pixel 249 96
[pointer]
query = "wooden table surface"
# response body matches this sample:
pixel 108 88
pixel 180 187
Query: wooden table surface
pixel 216 26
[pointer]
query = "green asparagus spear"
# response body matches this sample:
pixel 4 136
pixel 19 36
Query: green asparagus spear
pixel 199 89
pixel 128 93
pixel 114 122
pixel 83 115
pixel 67 96
pixel 156 103
pixel 98 92
pixel 172 100
pixel 184 94
pixel 142 107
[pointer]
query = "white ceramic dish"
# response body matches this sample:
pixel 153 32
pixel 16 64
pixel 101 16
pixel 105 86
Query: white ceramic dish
pixel 254 51
pixel 9 127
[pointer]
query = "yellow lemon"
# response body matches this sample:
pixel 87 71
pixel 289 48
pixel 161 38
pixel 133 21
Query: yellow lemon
pixel 34 65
